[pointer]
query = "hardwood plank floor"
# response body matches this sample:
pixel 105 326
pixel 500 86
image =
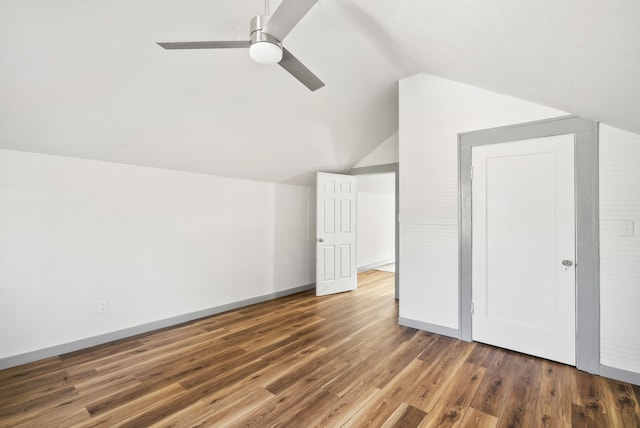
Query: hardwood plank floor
pixel 306 361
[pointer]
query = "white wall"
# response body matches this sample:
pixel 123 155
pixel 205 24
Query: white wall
pixel 619 249
pixel 156 243
pixel 432 112
pixel 376 219
pixel 385 153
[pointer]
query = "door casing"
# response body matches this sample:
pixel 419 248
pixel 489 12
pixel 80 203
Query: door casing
pixel 587 230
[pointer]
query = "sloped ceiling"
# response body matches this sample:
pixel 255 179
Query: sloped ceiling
pixel 85 78
pixel 580 56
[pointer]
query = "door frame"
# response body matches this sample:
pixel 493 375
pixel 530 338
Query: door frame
pixel 587 226
pixel 383 169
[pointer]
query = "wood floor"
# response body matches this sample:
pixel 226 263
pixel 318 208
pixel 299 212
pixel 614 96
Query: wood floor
pixel 304 361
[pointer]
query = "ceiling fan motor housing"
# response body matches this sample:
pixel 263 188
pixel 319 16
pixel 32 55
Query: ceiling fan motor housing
pixel 264 48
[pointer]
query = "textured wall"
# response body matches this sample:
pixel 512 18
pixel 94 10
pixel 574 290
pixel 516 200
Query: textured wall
pixel 619 249
pixel 432 113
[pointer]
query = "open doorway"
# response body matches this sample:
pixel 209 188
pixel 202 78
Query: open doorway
pixel 377 220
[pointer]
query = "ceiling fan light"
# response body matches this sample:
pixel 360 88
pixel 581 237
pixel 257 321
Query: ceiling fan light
pixel 265 52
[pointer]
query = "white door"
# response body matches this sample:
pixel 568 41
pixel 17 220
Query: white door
pixel 336 230
pixel 523 246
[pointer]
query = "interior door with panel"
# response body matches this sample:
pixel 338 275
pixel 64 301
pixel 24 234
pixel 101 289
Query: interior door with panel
pixel 336 269
pixel 523 246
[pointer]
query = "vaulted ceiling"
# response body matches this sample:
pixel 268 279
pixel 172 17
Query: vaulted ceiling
pixel 85 78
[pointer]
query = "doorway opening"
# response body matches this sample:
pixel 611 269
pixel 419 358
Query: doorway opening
pixel 378 205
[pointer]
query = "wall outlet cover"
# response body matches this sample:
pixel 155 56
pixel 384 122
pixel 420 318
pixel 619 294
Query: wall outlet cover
pixel 625 228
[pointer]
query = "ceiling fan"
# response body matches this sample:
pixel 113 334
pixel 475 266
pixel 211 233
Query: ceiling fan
pixel 265 40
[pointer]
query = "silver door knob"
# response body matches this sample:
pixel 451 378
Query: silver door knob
pixel 567 262
pixel 320 240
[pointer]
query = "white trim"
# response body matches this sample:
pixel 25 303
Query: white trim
pixel 373 266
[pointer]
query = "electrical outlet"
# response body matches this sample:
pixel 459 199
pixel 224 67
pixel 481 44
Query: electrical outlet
pixel 103 306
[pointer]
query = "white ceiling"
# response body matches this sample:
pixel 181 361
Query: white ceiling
pixel 85 78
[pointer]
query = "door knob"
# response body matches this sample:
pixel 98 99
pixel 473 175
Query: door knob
pixel 320 240
pixel 567 262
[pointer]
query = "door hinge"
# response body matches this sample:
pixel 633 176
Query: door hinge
pixel 471 173
pixel 472 308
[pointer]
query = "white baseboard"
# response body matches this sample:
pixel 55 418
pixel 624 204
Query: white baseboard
pixel 374 265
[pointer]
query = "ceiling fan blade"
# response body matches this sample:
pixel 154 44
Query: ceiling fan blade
pixel 286 17
pixel 299 71
pixel 206 45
